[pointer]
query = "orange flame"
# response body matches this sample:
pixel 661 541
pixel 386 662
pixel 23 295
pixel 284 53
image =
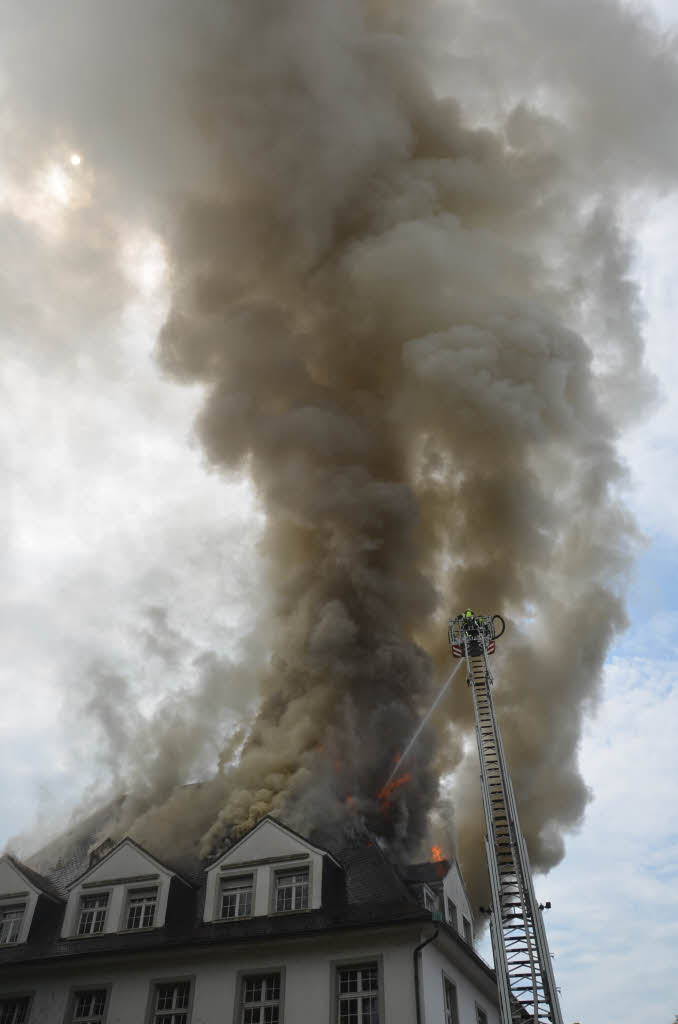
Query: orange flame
pixel 348 801
pixel 390 787
pixel 436 854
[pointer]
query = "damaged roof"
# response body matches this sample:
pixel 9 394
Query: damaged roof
pixel 363 888
pixel 429 873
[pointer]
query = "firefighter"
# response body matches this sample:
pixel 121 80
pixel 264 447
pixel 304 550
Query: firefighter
pixel 471 622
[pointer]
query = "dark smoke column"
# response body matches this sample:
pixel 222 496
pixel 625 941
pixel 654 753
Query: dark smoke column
pixel 368 290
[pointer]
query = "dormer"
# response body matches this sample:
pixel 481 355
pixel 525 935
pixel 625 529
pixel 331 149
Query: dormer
pixel 457 903
pixel 439 886
pixel 270 871
pixel 124 890
pixel 25 898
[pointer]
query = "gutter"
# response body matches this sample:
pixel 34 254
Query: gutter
pixel 415 961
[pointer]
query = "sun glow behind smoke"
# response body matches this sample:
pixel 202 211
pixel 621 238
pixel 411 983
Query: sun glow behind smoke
pixel 49 193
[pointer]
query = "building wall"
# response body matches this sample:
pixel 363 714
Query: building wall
pixel 434 967
pixel 454 889
pixel 308 968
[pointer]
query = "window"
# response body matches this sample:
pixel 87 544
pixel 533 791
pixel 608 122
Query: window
pixel 429 899
pixel 481 1016
pixel 358 993
pixel 89 1007
pixel 170 1002
pixel 261 999
pixel 468 934
pixel 141 904
pixel 291 890
pixel 236 896
pixel 92 914
pixel 14 1011
pixel 451 1011
pixel 452 915
pixel 11 918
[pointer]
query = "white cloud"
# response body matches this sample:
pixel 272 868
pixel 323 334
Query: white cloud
pixel 614 923
pixel 109 513
pixel 652 449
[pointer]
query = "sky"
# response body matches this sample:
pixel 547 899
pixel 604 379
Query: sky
pixel 126 557
pixel 613 926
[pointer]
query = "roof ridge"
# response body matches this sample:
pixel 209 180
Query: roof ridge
pixel 41 882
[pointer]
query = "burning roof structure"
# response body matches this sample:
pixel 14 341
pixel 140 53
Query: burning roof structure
pixel 405 295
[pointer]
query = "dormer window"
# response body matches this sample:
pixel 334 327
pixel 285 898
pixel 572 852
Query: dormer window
pixel 141 904
pixel 92 914
pixel 11 918
pixel 126 890
pixel 429 899
pixel 236 896
pixel 270 870
pixel 291 890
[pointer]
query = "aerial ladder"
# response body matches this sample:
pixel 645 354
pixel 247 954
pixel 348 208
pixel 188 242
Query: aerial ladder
pixel 527 988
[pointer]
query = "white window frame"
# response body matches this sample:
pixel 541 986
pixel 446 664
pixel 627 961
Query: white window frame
pixel 90 1018
pixel 451 1011
pixel 452 914
pixel 468 930
pixel 430 901
pixel 15 923
pixel 83 896
pixel 282 873
pixel 17 1018
pixel 141 896
pixel 172 1014
pixel 361 992
pixel 481 1015
pixel 230 883
pixel 243 1004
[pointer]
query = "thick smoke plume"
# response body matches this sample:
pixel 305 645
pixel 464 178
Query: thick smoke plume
pixel 399 271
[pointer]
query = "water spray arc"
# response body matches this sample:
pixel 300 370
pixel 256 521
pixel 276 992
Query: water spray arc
pixel 415 735
pixel 527 988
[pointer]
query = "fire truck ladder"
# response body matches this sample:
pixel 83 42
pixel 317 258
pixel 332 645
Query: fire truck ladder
pixel 527 989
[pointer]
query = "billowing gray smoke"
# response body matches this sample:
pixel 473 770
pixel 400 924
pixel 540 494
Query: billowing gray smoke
pixel 412 317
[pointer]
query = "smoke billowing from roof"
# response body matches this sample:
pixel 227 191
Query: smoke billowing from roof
pixel 399 272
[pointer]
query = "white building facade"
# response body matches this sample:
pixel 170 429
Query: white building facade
pixel 277 931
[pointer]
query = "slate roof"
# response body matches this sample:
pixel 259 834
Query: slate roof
pixel 66 858
pixel 429 873
pixel 39 881
pixel 371 877
pixel 371 893
pixel 365 890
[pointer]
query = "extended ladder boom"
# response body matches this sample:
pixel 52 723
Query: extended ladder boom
pixel 527 989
